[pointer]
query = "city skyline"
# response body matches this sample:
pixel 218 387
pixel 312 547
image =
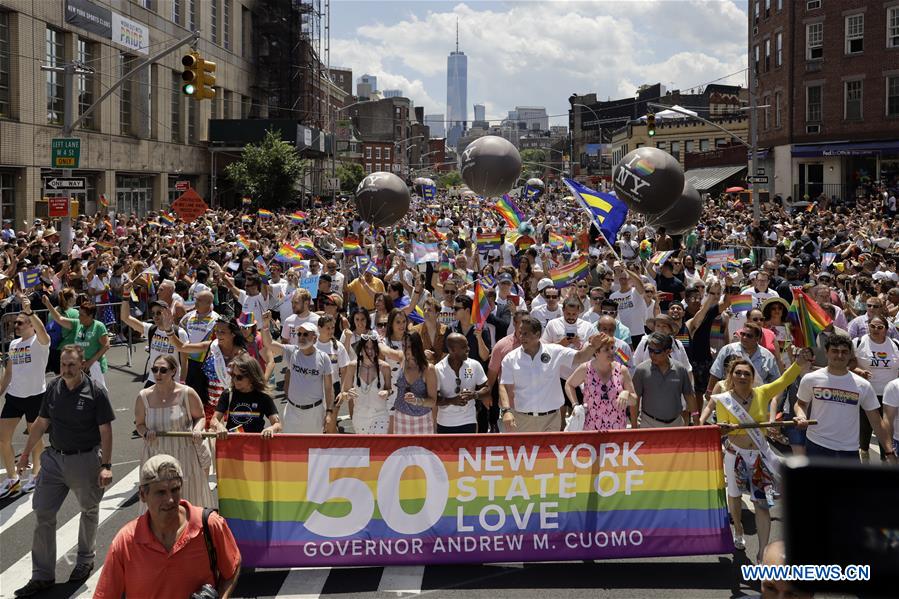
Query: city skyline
pixel 406 44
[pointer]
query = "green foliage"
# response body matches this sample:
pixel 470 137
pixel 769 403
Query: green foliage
pixel 532 155
pixel 268 172
pixel 450 179
pixel 350 174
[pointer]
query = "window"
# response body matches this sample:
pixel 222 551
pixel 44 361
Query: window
pixel 126 95
pixel 4 64
pixel 214 21
pixel 813 103
pixel 768 54
pixel 368 152
pixel 755 54
pixel 778 48
pixel 176 11
pixel 852 100
pixel 893 95
pixel 767 8
pixel 55 58
pixel 377 153
pixel 193 122
pixel 148 4
pixel 780 5
pixel 777 100
pixel 704 145
pixel 675 149
pixel 661 145
pixel 226 23
pixel 855 34
pixel 814 41
pixel 386 153
pixel 227 101
pixel 87 53
pixel 766 122
pixel 689 147
pixel 176 107
pixel 812 4
pixel 757 9
pixel 720 141
pixel 893 27
pixel 7 196
pixel 191 15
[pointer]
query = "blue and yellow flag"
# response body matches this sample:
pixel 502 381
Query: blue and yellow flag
pixel 607 211
pixel 532 193
pixel 30 278
pixel 429 192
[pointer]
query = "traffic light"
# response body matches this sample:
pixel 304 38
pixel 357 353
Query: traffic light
pixel 650 124
pixel 198 77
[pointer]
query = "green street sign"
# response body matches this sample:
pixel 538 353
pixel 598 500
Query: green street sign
pixel 66 152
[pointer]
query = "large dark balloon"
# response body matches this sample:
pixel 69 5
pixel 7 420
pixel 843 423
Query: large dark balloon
pixel 491 165
pixel 648 180
pixel 382 199
pixel 683 215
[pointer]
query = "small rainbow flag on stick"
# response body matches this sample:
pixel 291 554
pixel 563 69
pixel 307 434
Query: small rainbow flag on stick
pixel 289 255
pixel 243 243
pixel 305 247
pixel 480 309
pixel 806 318
pixel 352 247
pixel 298 217
pixel 263 213
pixel 740 303
pixel 262 268
pixel 557 240
pixel 166 219
pixel 661 257
pixel 246 219
pixel 622 356
pixel 488 240
pixel 566 275
pixel 509 211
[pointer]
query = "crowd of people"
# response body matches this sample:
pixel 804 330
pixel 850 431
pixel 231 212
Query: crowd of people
pixel 381 341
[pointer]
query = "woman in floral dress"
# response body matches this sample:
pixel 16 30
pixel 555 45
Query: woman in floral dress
pixel 607 390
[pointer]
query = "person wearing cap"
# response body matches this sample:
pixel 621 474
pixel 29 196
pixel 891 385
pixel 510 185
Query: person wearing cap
pixel 90 334
pixel 163 553
pixel 548 308
pixel 665 325
pixel 79 417
pixel 156 332
pixel 310 398
pixel 528 401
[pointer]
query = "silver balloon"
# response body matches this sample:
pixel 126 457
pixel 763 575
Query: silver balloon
pixel 382 199
pixel 683 215
pixel 535 182
pixel 491 165
pixel 420 181
pixel 648 180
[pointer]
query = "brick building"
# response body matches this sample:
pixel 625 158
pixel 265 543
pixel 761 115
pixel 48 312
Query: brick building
pixel 829 70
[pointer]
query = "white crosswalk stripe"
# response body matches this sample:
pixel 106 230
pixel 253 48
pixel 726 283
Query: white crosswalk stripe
pixel 401 580
pixel 14 512
pixel 67 535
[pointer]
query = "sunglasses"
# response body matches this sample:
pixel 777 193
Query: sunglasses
pixel 582 286
pixel 306 334
pixel 756 319
pixel 609 279
pixel 872 306
pixel 159 370
pixel 609 313
pixel 876 327
pixel 747 335
pixel 238 377
pixel 382 324
pixel 458 385
pixel 656 351
pixel 595 299
pixel 553 296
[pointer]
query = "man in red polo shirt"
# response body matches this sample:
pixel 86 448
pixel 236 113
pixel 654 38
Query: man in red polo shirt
pixel 167 544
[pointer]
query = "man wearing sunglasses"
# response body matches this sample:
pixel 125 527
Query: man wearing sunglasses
pixel 858 327
pixel 550 309
pixel 748 347
pixel 460 382
pixel 661 383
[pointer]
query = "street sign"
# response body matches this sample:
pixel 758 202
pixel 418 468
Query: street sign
pixel 57 207
pixel 757 179
pixel 65 152
pixel 760 171
pixel 182 185
pixel 66 183
pixel 189 206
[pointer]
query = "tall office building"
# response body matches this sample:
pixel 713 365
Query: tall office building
pixel 366 86
pixel 480 112
pixel 456 94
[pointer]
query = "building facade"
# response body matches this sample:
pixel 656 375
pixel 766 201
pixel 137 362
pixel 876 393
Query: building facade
pixel 383 124
pixel 829 73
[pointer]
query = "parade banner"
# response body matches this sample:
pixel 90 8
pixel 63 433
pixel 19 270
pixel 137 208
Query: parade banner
pixel 354 500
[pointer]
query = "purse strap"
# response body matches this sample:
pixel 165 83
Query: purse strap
pixel 210 547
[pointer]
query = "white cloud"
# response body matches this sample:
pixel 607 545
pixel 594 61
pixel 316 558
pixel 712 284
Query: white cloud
pixel 537 53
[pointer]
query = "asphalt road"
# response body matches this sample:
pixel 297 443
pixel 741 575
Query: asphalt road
pixel 687 577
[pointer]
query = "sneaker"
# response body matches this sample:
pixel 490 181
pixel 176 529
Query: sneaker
pixel 34 587
pixel 81 572
pixel 30 484
pixel 739 542
pixel 10 487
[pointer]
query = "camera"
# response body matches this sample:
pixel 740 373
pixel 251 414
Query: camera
pixel 206 592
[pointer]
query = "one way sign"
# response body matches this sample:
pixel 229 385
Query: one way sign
pixel 71 183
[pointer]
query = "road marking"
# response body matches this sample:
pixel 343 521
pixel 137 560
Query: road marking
pixel 401 579
pixel 67 536
pixel 14 512
pixel 304 583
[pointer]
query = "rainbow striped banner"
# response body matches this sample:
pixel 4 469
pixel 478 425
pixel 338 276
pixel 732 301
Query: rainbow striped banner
pixel 661 257
pixel 243 243
pixel 489 240
pixel 305 247
pixel 480 308
pixel 509 211
pixel 566 275
pixel 559 241
pixel 358 500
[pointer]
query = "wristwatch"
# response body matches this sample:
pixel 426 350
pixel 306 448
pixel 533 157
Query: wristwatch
pixel 107 466
pixel 504 411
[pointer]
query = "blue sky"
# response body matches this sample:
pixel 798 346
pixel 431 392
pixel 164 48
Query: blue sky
pixel 536 53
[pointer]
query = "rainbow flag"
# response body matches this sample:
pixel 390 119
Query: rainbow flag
pixel 246 219
pixel 622 356
pixel 289 255
pixel 564 276
pixel 684 339
pixel 166 219
pixel 489 240
pixel 509 211
pixel 238 429
pixel 661 257
pixel 243 243
pixel 246 201
pixel 263 213
pixel 717 331
pixel 298 217
pixel 104 201
pixel 663 495
pixel 352 247
pixel 480 308
pixel 806 318
pixel 305 247
pixel 262 268
pixel 104 245
pixel 740 303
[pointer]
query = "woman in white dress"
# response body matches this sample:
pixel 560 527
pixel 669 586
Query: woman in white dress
pixel 367 385
pixel 168 406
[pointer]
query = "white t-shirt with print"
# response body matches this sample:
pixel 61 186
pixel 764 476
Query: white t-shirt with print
pixel 28 359
pixel 834 401
pixel 471 374
pixel 161 345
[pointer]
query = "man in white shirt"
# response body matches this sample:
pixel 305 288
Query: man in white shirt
pixel 461 382
pixel 301 303
pixel 631 300
pixel 529 399
pixel 550 308
pixel 337 277
pixel 834 395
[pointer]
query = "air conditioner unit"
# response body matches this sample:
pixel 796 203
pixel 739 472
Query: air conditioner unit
pixel 813 128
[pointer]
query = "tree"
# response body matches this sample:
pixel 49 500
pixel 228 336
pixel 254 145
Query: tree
pixel 530 156
pixel 268 171
pixel 350 174
pixel 450 179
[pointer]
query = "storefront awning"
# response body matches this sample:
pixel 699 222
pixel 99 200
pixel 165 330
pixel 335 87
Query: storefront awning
pixel 703 179
pixel 863 148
